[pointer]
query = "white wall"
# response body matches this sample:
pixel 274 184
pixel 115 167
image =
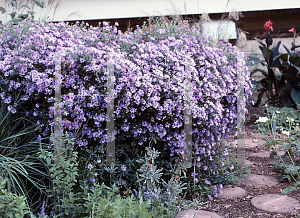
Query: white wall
pixel 109 9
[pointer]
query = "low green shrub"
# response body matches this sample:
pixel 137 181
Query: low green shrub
pixel 12 205
pixel 74 196
pixel 289 141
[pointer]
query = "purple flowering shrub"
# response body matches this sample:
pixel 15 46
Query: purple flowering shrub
pixel 149 69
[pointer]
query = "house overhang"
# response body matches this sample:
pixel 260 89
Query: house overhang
pixel 70 10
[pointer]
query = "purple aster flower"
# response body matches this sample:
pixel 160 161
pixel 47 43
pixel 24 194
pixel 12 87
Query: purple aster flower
pixel 90 166
pixel 194 174
pixel 93 179
pixel 7 100
pixel 124 168
pixel 207 182
pixel 39 138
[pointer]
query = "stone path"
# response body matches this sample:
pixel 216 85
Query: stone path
pixel 274 203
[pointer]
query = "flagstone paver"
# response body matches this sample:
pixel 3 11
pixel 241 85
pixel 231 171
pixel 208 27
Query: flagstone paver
pixel 232 192
pixel 247 163
pixel 258 180
pixel 275 203
pixel 197 214
pixel 249 142
pixel 266 153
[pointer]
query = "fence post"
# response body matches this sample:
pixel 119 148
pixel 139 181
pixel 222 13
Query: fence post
pixel 187 157
pixel 110 111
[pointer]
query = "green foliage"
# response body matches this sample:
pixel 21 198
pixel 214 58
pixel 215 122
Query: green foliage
pixel 104 202
pixel 288 125
pixel 73 197
pixel 64 173
pixel 12 205
pixel 19 162
pixel 164 197
pixel 283 73
pixel 15 19
pixel 281 118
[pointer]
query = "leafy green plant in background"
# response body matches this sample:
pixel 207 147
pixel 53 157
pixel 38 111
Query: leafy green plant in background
pixel 164 197
pixel 19 162
pixel 64 176
pixel 17 18
pixel 288 172
pixel 20 17
pixel 106 202
pixel 283 73
pixel 76 197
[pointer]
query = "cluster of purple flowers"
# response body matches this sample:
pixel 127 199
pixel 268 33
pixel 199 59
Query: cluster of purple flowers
pixel 149 73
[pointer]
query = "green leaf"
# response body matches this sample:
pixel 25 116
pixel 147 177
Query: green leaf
pixel 263 44
pixel 295 96
pixel 277 74
pixel 272 154
pixel 290 189
pixel 275 50
pixel 286 87
pixel 23 6
pixel 38 3
pixel 259 70
pixel 284 57
pixel 288 104
pixel 2 10
pixel 256 84
pixel 276 57
pixel 23 16
pixel 31 12
pixel 267 53
pixel 13 14
pixel 15 20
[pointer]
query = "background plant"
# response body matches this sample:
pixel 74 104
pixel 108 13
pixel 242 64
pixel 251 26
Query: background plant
pixel 19 162
pixel 12 205
pixel 288 172
pixel 282 73
pixel 73 196
pixel 19 17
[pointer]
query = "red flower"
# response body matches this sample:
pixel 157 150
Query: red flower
pixel 292 30
pixel 268 25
